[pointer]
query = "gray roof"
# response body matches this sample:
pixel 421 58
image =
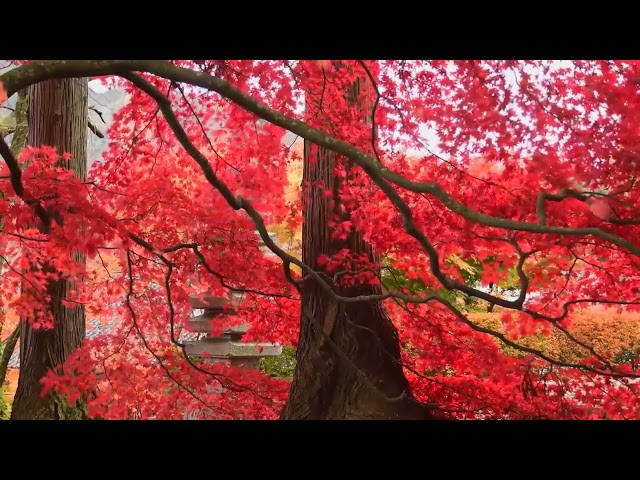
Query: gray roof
pixel 96 328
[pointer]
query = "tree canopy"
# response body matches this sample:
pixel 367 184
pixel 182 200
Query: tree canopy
pixel 500 185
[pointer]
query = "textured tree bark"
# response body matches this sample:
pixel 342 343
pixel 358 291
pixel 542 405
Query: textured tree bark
pixel 326 385
pixel 57 118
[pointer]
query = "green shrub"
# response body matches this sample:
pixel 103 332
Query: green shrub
pixel 5 407
pixel 628 356
pixel 281 366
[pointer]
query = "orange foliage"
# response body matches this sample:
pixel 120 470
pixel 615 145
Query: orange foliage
pixel 8 319
pixel 3 94
pixel 609 332
pixel 494 321
pixel 10 384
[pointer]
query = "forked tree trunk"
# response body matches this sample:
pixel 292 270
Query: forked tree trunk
pixel 327 386
pixel 57 118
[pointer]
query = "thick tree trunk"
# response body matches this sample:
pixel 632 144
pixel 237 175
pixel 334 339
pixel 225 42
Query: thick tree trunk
pixel 57 118
pixel 328 385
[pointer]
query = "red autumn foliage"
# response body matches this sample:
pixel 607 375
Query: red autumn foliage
pixel 169 226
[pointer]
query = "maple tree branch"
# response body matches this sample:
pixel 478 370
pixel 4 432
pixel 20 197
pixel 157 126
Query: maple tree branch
pixel 167 289
pixel 23 277
pixel 230 384
pixel 18 187
pixel 203 130
pixel 500 336
pixel 94 129
pixel 94 184
pixel 240 203
pixel 183 347
pixel 144 340
pixel 24 238
pixel 565 332
pixel 203 261
pixel 591 264
pixel 90 124
pixel 582 196
pixel 522 258
pixel 566 305
pixel 374 85
pixel 382 176
pixel 564 287
pixel 524 280
pixel 37 71
pixel 195 248
pixel 221 279
pixel 555 197
pixel 624 221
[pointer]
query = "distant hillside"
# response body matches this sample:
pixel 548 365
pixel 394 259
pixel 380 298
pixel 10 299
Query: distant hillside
pixel 107 103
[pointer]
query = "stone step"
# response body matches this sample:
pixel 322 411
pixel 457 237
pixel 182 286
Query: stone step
pixel 230 350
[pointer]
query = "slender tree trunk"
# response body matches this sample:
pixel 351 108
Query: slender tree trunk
pixel 57 118
pixel 7 351
pixel 326 384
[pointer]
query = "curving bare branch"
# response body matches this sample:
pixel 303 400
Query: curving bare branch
pixel 38 71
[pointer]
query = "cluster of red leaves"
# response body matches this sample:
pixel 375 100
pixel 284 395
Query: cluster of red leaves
pixel 492 134
pixel 117 379
pixel 148 188
pixel 470 375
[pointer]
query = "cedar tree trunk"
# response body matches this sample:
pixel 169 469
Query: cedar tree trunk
pixel 57 118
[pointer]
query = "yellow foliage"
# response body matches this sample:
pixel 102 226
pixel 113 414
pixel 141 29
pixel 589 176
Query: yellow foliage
pixel 292 237
pixel 461 264
pixel 493 321
pixel 294 173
